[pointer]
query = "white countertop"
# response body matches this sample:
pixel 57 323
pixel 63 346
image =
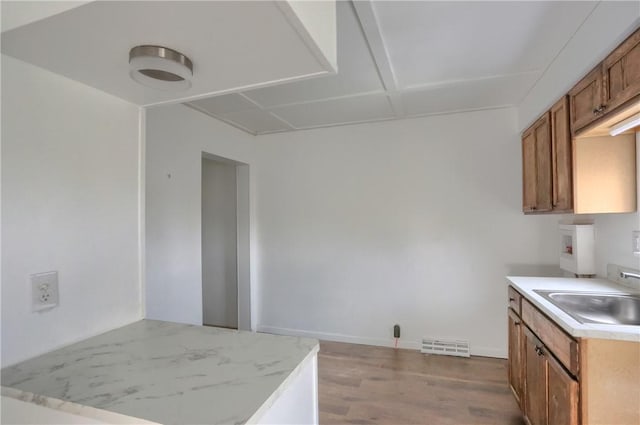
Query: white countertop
pixel 526 286
pixel 165 373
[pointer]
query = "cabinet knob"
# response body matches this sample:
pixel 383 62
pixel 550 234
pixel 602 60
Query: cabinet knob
pixel 539 351
pixel 600 109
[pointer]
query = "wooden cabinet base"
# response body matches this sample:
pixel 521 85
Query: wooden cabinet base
pixel 560 380
pixel 610 382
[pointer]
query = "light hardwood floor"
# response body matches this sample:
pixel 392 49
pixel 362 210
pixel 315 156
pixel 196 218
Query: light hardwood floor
pixel 361 384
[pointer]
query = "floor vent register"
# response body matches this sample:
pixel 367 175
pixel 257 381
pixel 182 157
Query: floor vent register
pixel 445 347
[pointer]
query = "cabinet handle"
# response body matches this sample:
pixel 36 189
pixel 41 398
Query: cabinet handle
pixel 511 299
pixel 539 351
pixel 600 109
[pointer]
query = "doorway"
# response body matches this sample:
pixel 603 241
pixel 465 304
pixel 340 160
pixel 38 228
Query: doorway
pixel 224 233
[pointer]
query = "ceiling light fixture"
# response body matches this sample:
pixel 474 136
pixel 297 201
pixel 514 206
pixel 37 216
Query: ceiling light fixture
pixel 624 125
pixel 160 68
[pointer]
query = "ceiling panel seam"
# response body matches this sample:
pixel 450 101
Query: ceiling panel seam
pixel 209 114
pixel 378 51
pixel 430 114
pixel 447 83
pixel 564 46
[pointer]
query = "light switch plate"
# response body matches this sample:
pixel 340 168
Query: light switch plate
pixel 635 238
pixel 44 290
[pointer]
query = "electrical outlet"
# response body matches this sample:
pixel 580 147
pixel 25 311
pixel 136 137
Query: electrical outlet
pixel 635 239
pixel 44 291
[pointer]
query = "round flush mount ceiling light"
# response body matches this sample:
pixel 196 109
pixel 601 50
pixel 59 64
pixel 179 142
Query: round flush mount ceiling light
pixel 160 68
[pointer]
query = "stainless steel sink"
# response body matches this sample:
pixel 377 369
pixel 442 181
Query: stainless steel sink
pixel 586 307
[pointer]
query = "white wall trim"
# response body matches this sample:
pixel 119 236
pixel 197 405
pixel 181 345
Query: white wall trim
pixel 142 140
pixel 380 342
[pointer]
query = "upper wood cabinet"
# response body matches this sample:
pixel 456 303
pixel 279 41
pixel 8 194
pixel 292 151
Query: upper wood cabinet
pixel 621 73
pixel 586 100
pixel 570 164
pixel 610 85
pixel 536 166
pixel 546 163
pixel 561 157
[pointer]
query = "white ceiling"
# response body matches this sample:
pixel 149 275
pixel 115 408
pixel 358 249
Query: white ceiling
pixel 233 44
pixel 400 59
pixel 18 13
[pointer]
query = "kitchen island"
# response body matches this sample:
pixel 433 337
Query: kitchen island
pixel 162 372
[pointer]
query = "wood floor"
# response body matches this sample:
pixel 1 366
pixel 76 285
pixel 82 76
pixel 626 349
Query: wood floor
pixel 361 384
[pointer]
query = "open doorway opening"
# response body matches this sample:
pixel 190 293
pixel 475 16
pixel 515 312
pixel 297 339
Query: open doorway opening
pixel 225 294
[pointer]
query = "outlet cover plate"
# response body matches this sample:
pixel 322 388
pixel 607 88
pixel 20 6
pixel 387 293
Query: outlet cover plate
pixel 635 242
pixel 44 290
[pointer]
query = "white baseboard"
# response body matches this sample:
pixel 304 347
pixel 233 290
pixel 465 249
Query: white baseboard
pixel 380 342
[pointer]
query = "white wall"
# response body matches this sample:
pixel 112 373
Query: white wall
pixel 70 165
pixel 177 136
pixel 219 244
pixel 414 222
pixel 609 24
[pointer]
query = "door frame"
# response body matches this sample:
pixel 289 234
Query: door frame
pixel 243 264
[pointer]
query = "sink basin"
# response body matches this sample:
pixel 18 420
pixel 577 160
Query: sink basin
pixel 586 307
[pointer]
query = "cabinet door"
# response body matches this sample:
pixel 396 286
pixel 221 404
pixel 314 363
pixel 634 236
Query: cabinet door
pixel 561 155
pixel 535 381
pixel 586 100
pixel 515 363
pixel 542 131
pixel 528 171
pixel 621 72
pixel 536 167
pixel 562 396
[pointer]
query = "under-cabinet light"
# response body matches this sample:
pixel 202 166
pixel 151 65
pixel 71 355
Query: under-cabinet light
pixel 625 125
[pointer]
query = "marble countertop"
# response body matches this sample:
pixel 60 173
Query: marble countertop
pixel 162 372
pixel 526 286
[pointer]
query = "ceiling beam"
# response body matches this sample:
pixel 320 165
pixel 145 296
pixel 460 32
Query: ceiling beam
pixel 371 30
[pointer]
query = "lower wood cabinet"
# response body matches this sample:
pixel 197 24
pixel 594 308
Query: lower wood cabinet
pixel 562 395
pixel 560 380
pixel 551 394
pixel 516 369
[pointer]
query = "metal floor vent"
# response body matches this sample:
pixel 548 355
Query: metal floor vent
pixel 447 348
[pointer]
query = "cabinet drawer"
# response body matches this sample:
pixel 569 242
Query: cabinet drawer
pixel 514 300
pixel 559 343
